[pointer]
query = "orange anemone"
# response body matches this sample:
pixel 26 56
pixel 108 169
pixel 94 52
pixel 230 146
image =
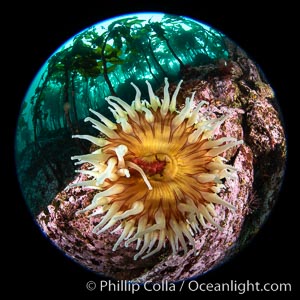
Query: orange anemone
pixel 158 171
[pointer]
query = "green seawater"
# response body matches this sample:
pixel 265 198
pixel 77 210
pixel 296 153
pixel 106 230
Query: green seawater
pixel 100 61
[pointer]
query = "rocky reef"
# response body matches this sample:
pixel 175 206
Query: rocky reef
pixel 234 87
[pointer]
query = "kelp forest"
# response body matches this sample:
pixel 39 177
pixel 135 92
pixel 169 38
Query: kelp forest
pixel 100 61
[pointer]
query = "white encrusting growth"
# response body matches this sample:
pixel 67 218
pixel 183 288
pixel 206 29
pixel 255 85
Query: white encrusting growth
pixel 110 164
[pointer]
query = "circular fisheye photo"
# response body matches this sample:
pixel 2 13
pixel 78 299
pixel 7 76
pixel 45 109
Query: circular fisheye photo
pixel 150 147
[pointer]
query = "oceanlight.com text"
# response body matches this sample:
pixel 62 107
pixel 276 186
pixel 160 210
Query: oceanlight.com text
pixel 193 286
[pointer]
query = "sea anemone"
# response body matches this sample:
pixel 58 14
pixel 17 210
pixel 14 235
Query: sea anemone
pixel 158 171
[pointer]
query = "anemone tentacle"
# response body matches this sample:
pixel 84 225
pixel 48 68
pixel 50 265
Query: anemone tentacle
pixel 159 171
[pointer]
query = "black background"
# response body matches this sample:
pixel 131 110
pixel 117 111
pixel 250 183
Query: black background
pixel 268 35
